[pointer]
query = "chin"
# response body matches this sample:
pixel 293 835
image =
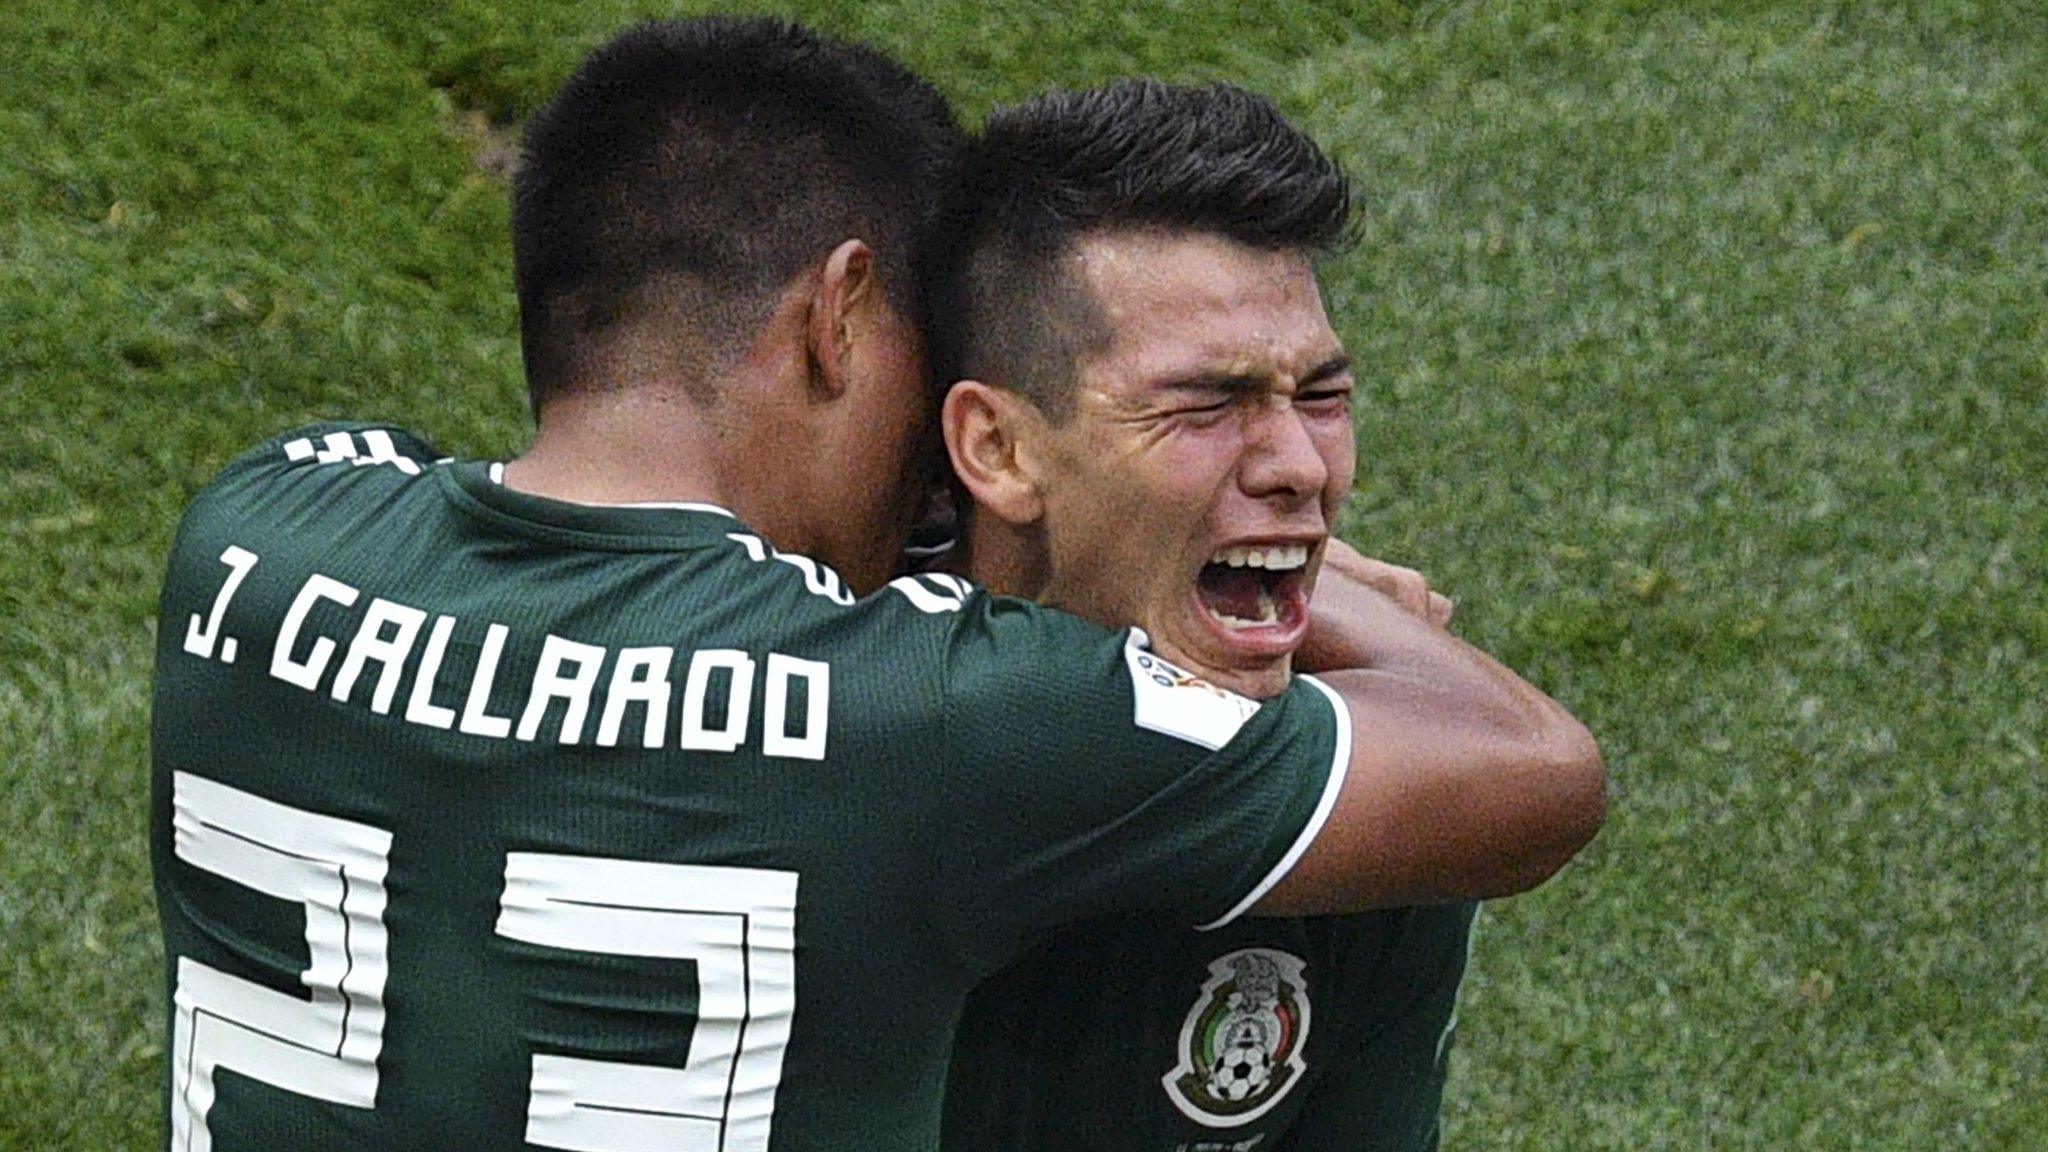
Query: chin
pixel 1259 684
pixel 1260 676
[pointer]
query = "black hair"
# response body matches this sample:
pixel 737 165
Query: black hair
pixel 692 167
pixel 1134 154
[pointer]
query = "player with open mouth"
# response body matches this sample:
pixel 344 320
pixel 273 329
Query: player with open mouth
pixel 1156 431
pixel 1259 594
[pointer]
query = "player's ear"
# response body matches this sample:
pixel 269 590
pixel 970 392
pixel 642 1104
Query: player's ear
pixel 847 284
pixel 989 437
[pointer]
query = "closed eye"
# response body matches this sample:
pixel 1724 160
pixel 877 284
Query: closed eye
pixel 1327 388
pixel 1202 405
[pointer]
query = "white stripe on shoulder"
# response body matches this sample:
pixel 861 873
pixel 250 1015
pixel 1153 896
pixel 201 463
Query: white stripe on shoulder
pixel 383 451
pixel 818 579
pixel 924 598
pixel 336 447
pixel 1340 763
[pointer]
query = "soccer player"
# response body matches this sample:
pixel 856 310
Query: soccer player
pixel 583 801
pixel 1155 428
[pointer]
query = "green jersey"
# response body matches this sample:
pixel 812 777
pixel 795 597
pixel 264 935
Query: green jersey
pixel 483 821
pixel 1276 1035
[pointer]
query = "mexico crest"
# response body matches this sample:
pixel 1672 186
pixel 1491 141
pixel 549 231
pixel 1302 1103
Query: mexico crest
pixel 1240 1046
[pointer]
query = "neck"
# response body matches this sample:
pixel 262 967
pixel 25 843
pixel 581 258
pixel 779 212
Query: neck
pixel 647 444
pixel 1006 559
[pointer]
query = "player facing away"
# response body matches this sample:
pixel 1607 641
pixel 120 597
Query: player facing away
pixel 614 798
pixel 1155 427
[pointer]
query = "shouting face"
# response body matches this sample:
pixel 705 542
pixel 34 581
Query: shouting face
pixel 1192 485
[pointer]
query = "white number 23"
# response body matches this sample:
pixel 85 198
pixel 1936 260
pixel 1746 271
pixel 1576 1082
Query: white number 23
pixel 738 924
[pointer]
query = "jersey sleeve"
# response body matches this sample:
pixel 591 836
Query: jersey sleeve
pixel 1087 776
pixel 261 475
pixel 276 489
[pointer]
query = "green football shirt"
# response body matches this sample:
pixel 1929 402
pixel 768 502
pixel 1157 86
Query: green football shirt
pixel 483 821
pixel 1140 1036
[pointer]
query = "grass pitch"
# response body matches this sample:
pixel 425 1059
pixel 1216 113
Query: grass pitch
pixel 1704 358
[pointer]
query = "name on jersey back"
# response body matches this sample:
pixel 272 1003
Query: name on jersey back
pixel 361 652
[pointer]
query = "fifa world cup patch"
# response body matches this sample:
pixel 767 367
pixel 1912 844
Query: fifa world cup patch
pixel 1172 700
pixel 1240 1046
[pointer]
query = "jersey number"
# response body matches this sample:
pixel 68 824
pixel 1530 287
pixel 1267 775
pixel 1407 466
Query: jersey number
pixel 737 924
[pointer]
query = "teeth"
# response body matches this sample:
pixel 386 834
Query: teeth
pixel 1280 557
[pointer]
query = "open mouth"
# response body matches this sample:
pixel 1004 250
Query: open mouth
pixel 1256 587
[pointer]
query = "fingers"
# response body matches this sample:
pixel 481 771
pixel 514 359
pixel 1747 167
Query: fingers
pixel 1345 559
pixel 1405 586
pixel 1440 609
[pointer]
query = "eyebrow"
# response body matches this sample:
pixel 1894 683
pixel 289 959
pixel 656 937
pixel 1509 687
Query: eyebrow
pixel 1335 366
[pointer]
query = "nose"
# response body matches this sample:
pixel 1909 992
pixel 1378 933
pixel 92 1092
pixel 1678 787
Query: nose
pixel 1281 457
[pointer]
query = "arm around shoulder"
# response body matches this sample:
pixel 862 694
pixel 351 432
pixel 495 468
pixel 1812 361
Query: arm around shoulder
pixel 1463 782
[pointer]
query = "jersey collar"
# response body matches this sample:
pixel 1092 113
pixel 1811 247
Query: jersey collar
pixel 496 472
pixel 477 487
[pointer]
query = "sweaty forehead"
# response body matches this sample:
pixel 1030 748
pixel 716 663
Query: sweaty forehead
pixel 1180 303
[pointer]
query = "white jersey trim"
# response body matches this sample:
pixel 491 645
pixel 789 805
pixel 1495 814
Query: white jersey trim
pixel 1443 1039
pixel 497 475
pixel 685 506
pixel 925 598
pixel 1340 763
pixel 335 447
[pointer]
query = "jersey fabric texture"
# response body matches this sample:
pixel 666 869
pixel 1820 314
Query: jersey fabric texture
pixel 484 821
pixel 1275 1035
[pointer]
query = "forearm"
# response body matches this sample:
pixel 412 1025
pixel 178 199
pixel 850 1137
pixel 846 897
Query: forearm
pixel 1451 799
pixel 1355 626
pixel 1467 781
pixel 1358 628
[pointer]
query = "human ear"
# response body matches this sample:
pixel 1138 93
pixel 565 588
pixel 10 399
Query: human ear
pixel 846 282
pixel 991 438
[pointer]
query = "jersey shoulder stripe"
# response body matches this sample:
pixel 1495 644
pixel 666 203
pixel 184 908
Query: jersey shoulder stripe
pixel 317 455
pixel 334 447
pixel 357 447
pixel 932 594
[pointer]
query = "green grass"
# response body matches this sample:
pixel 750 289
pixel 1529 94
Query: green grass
pixel 1715 378
pixel 1705 360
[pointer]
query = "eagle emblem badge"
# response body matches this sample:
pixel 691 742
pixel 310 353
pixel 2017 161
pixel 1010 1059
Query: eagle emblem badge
pixel 1240 1046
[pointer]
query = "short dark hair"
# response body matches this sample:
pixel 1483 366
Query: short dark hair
pixel 1133 154
pixel 697 165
